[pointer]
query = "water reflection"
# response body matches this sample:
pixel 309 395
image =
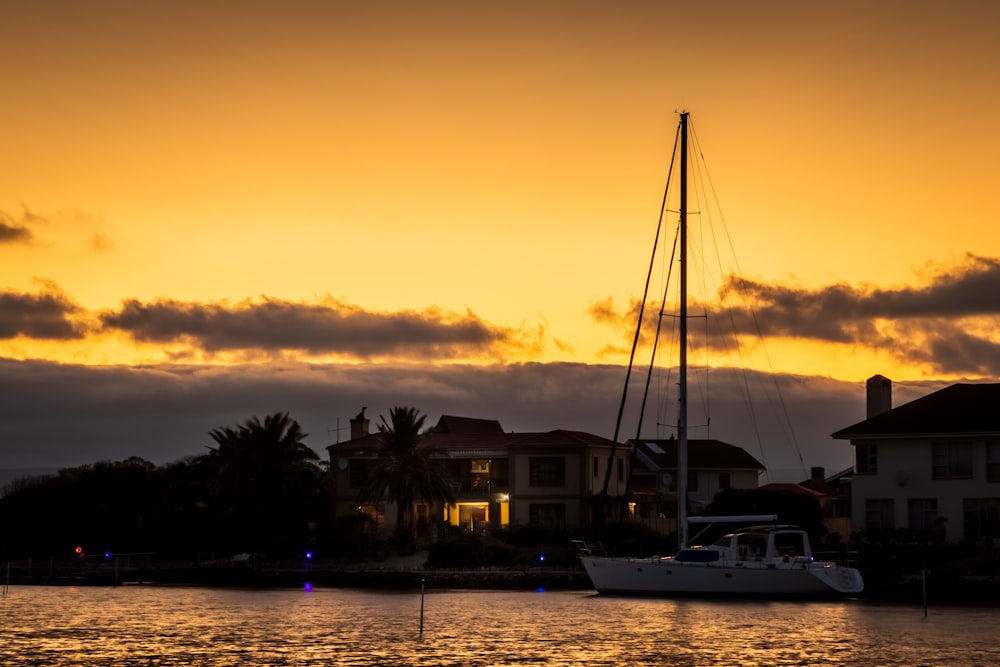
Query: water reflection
pixel 189 626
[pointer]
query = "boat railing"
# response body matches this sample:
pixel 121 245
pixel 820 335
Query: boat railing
pixel 585 548
pixel 849 558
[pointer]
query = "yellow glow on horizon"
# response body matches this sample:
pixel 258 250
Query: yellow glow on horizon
pixel 504 162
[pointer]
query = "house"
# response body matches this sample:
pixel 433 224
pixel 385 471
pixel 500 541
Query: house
pixel 498 478
pixel 713 465
pixel 831 493
pixel 928 469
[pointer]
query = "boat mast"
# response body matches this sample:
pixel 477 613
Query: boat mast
pixel 682 453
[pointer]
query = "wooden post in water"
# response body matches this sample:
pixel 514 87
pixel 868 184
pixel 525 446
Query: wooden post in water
pixel 422 606
pixel 923 587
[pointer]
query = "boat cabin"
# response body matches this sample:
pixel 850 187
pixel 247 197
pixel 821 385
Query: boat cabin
pixel 759 543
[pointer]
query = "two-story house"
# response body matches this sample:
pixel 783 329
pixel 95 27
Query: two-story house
pixel 498 478
pixel 929 468
pixel 713 465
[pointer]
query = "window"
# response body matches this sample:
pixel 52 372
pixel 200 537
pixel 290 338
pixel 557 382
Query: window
pixel 597 467
pixel 993 461
pixel 621 470
pixel 879 514
pixel 358 471
pixel 982 517
pixel 725 482
pixel 547 471
pixel 500 480
pixel 692 482
pixel 866 459
pixel 552 515
pixel 923 512
pixel 952 460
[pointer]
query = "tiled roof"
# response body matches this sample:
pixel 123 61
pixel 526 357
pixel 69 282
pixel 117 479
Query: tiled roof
pixel 452 424
pixel 480 441
pixel 561 437
pixel 963 409
pixel 703 454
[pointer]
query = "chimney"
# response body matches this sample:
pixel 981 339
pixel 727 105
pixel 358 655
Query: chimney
pixel 359 425
pixel 817 473
pixel 879 391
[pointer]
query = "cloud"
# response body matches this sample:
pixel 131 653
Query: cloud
pixel 13 230
pixel 54 415
pixel 948 322
pixel 100 243
pixel 74 228
pixel 47 315
pixel 841 312
pixel 949 348
pixel 330 327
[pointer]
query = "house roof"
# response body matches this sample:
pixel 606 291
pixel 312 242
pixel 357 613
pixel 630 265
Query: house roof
pixel 961 409
pixel 562 437
pixel 465 436
pixel 702 454
pixel 832 485
pixel 796 489
pixel 452 424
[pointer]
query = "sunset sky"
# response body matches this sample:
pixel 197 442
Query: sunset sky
pixel 210 210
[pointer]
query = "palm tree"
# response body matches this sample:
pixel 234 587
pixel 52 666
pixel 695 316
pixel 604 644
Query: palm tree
pixel 406 469
pixel 266 477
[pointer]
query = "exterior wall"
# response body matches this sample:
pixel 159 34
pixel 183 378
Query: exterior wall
pixel 579 485
pixel 502 495
pixel 905 473
pixel 594 479
pixel 345 497
pixel 523 494
pixel 708 484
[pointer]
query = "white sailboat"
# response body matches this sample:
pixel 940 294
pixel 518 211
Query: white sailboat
pixel 763 560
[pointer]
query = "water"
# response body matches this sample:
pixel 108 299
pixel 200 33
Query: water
pixel 147 625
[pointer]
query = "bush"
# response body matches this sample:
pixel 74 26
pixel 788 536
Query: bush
pixel 471 551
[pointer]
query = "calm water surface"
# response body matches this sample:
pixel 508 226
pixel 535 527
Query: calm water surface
pixel 137 625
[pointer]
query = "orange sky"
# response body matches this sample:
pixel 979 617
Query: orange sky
pixel 508 162
pixel 447 181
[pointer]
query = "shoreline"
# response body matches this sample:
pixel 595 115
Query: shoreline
pixel 936 590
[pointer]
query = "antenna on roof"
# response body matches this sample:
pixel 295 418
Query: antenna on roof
pixel 339 428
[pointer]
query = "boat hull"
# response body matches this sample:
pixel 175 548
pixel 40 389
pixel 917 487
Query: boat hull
pixel 668 577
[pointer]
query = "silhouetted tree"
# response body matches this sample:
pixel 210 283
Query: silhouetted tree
pixel 268 481
pixel 791 508
pixel 405 468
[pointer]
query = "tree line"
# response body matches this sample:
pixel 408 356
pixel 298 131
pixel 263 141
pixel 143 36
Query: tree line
pixel 260 489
